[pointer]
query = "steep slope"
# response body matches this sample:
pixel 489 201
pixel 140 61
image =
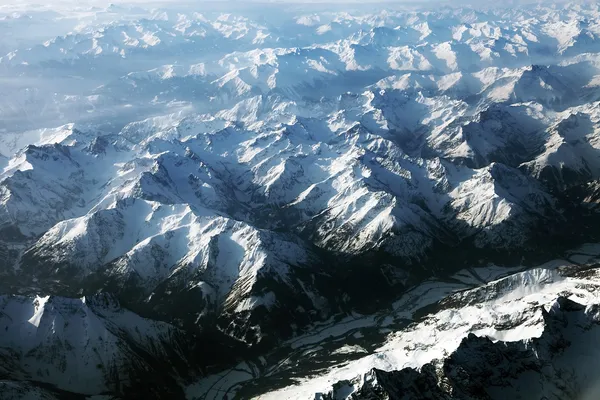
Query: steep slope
pixel 89 346
pixel 570 155
pixel 147 252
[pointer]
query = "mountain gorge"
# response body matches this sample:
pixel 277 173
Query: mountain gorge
pixel 280 203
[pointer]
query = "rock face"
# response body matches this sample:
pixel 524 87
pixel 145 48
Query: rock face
pixel 181 193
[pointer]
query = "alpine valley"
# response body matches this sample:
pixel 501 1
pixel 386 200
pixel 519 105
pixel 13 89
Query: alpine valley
pixel 238 200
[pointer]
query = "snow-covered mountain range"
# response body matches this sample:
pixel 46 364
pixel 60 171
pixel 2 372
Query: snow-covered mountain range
pixel 290 202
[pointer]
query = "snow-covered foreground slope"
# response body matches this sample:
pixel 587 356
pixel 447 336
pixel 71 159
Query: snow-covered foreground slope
pixel 530 333
pixel 558 363
pixel 265 178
